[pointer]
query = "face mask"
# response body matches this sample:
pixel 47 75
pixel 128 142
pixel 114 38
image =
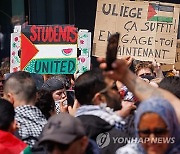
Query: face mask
pixel 57 105
pixel 149 77
pixel 58 102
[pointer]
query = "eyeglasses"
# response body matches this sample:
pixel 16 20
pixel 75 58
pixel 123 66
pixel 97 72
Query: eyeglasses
pixel 157 132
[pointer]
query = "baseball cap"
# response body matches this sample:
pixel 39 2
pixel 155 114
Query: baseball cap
pixel 53 84
pixel 62 128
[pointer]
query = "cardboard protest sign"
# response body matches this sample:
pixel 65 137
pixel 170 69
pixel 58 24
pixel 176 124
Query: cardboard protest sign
pixel 148 30
pixel 169 67
pixel 84 45
pixel 49 49
pixel 177 60
pixel 15 52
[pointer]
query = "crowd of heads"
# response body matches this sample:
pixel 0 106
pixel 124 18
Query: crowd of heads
pixel 32 108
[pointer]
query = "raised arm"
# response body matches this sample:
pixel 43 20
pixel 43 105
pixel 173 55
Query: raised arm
pixel 138 87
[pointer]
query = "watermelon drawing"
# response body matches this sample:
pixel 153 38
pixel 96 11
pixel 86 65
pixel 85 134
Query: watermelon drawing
pixel 67 51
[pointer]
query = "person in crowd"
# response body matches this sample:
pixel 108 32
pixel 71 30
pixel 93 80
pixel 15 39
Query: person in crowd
pixel 20 90
pixel 65 79
pixel 144 91
pixel 137 86
pixel 57 88
pixel 160 137
pixel 45 103
pixel 66 134
pixel 47 76
pixel 5 66
pixel 99 98
pixel 9 144
pixel 172 84
pixel 71 79
pixel 155 82
pixel 145 70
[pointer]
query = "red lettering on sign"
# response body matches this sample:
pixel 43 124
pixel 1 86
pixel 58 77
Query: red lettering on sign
pixel 62 33
pixel 44 34
pixel 34 35
pixel 53 34
pixel 73 37
pixel 56 34
pixel 39 36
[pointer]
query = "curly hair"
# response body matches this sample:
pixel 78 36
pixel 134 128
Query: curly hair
pixel 45 102
pixel 142 65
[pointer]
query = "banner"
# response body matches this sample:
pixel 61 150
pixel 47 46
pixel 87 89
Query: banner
pixel 148 30
pixel 177 60
pixel 84 45
pixel 15 52
pixel 47 49
pixel 169 67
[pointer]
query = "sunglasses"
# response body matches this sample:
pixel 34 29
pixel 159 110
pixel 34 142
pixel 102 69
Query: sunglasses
pixel 157 132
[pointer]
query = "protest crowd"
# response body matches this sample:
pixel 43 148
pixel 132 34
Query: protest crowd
pixel 123 106
pixel 109 107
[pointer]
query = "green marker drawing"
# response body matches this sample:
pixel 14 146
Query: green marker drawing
pixel 84 69
pixel 85 50
pixel 17 59
pixel 84 36
pixel 14 45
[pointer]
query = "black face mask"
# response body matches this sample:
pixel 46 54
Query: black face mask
pixel 149 77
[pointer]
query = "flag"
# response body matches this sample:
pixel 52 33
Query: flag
pixel 160 13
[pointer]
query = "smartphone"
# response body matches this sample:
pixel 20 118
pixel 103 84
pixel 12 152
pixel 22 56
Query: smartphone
pixel 112 49
pixel 70 97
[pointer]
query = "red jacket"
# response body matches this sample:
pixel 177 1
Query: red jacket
pixel 9 144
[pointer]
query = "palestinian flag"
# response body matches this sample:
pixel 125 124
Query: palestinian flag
pixel 160 13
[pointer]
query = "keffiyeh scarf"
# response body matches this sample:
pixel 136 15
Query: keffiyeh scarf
pixel 31 122
pixel 105 113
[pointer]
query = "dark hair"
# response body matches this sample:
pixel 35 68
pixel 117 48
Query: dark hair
pixel 7 114
pixel 87 85
pixel 22 85
pixel 64 79
pixel 172 84
pixel 5 66
pixel 142 65
pixel 45 102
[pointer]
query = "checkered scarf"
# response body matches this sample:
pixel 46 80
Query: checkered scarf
pixel 103 112
pixel 31 122
pixel 107 114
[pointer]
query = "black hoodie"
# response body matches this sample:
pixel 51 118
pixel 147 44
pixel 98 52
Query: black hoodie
pixel 110 140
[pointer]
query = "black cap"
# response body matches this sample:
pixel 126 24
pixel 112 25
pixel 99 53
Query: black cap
pixel 53 84
pixel 63 129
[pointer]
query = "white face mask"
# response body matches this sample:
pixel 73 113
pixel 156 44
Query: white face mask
pixel 65 102
pixel 57 105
